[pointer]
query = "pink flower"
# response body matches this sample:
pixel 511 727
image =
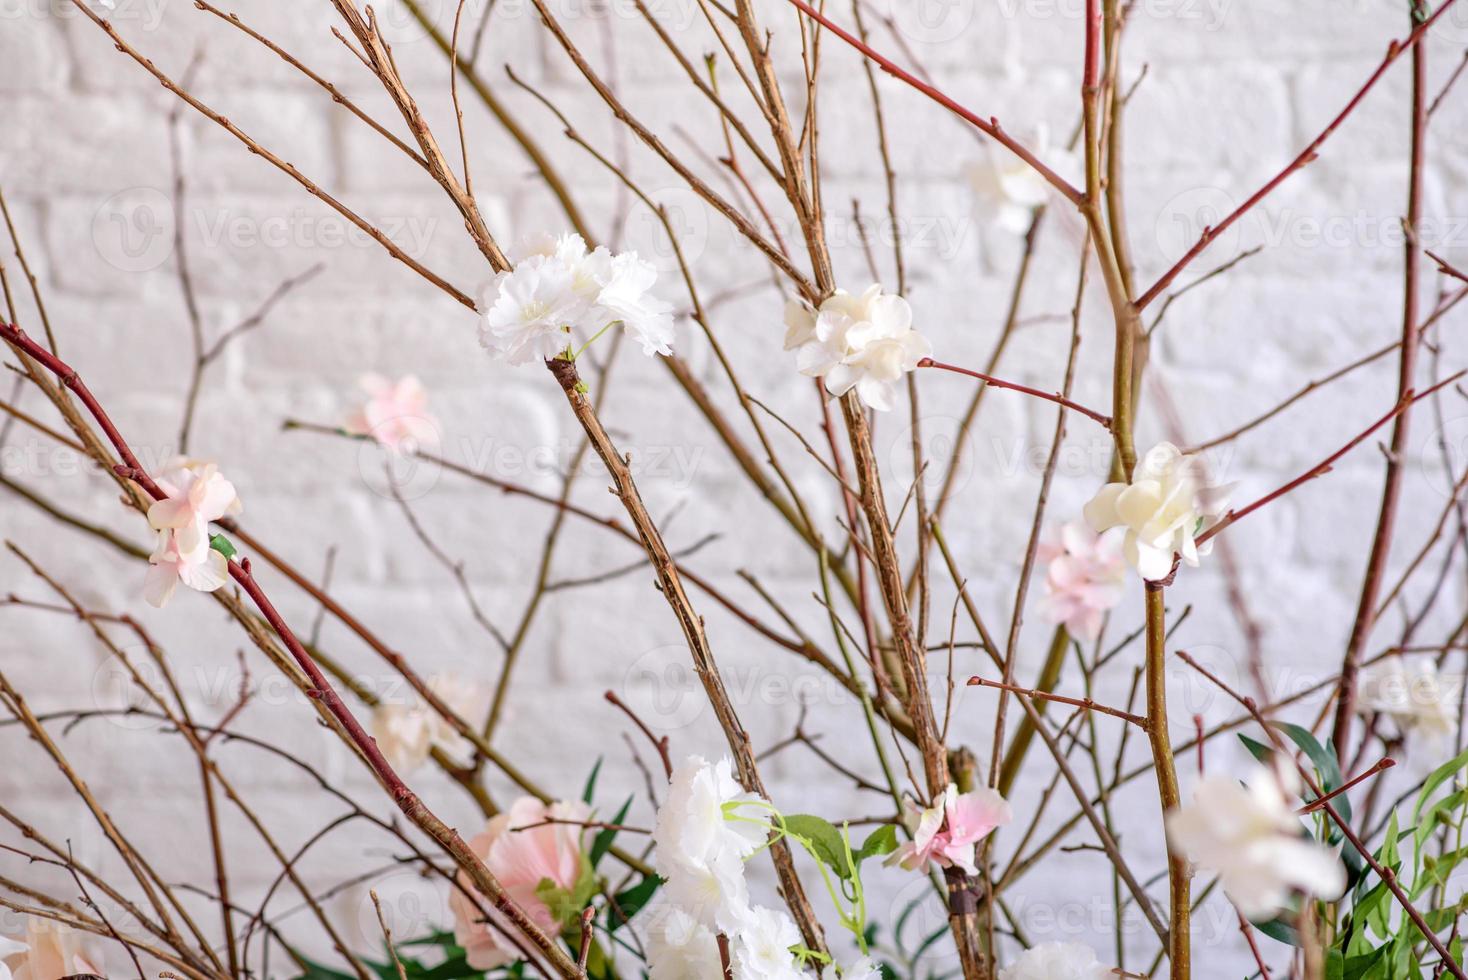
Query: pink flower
pixel 395 413
pixel 948 831
pixel 203 569
pixel 1084 577
pixel 520 860
pixel 52 949
pixel 197 494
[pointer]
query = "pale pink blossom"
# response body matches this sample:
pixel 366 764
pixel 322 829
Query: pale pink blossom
pixel 1084 577
pixel 196 494
pixel 520 860
pixel 947 832
pixel 202 568
pixel 51 950
pixel 395 413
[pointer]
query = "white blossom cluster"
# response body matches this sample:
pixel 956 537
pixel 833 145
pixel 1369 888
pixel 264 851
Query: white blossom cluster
pixel 560 293
pixel 705 830
pixel 866 342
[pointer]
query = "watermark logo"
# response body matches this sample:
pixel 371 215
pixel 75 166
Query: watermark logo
pixel 133 229
pixel 1185 217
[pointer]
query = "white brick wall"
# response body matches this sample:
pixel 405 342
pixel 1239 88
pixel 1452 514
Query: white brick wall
pixel 1234 88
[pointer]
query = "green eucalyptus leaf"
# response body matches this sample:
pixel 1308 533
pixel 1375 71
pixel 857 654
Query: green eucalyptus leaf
pixel 589 791
pixel 626 904
pixel 604 838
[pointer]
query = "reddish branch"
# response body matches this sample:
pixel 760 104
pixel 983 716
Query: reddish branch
pixel 319 689
pixel 990 127
pixel 1049 396
pixel 1391 491
pixel 1323 467
pixel 1307 155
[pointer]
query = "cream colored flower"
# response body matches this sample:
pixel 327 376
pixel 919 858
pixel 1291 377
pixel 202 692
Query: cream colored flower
pixel 1164 509
pixel 865 342
pixel 1414 695
pixel 408 733
pixel 1249 834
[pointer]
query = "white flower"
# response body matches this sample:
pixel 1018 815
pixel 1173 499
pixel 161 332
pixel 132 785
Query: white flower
pixel 408 733
pixel 1084 576
pixel 559 288
pixel 626 297
pixel 864 342
pixel 705 829
pixel 862 969
pixel 201 568
pixel 713 891
pixel 762 946
pixel 800 323
pixel 1250 835
pixel 1014 188
pixel 680 948
pixel 1420 700
pixel 1164 509
pixel 395 413
pixel 1056 961
pixel 528 311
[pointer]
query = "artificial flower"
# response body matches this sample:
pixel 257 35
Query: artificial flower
pixel 10 949
pixel 408 733
pixel 559 288
pixel 949 831
pixel 1249 834
pixel 762 946
pixel 681 948
pixel 201 568
pixel 1056 961
pixel 528 311
pixel 1014 188
pixel 1420 700
pixel 862 969
pixel 395 413
pixel 196 494
pixel 626 298
pixel 52 950
pixel 1165 507
pixel 523 860
pixel 865 342
pixel 1084 575
pixel 705 829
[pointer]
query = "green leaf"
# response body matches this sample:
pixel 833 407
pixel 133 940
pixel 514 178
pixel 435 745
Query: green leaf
pixel 1324 759
pixel 604 838
pixel 626 904
pixel 1360 967
pixel 823 840
pixel 1335 965
pixel 315 971
pixel 882 841
pixel 1280 930
pixel 590 790
pixel 222 545
pixel 1439 776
